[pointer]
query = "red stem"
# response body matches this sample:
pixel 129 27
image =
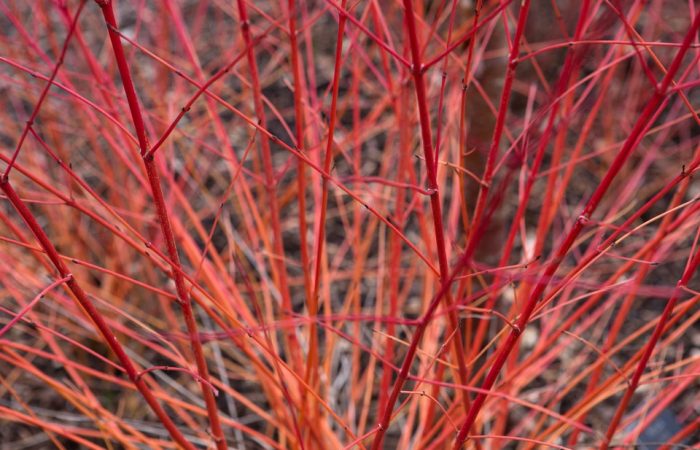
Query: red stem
pixel 417 71
pixel 166 228
pixel 689 430
pixel 270 182
pixel 312 365
pixel 300 121
pixel 485 186
pixel 299 117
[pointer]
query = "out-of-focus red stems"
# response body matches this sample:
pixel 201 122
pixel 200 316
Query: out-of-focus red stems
pixel 343 13
pixel 31 304
pixel 471 33
pixel 201 90
pixel 6 174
